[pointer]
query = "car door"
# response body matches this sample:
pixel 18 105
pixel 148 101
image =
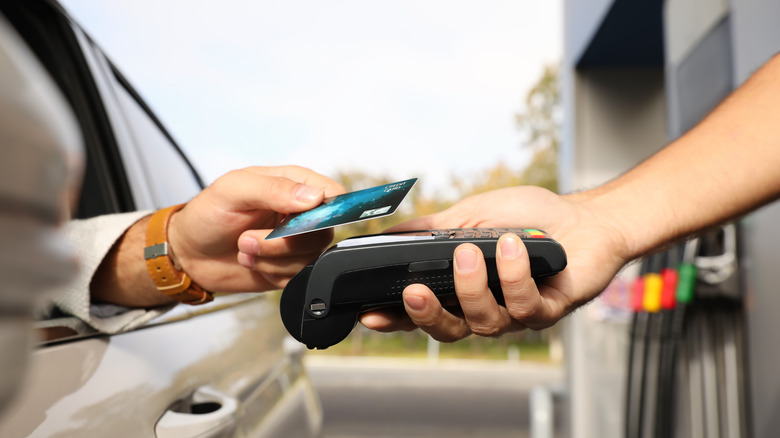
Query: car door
pixel 223 369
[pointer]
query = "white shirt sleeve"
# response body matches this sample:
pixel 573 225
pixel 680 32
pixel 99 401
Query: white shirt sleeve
pixel 92 239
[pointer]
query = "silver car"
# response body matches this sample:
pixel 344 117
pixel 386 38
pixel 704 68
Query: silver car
pixel 223 369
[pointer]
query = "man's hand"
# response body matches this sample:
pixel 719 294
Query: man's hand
pixel 595 250
pixel 221 232
pixel 218 238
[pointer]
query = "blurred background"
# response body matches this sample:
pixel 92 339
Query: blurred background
pixel 464 97
pixel 469 97
pixel 387 89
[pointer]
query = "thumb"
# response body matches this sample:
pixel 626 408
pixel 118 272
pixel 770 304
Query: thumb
pixel 243 190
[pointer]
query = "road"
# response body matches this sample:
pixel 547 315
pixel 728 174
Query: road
pixel 387 398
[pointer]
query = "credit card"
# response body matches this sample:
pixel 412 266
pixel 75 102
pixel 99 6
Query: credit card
pixel 343 209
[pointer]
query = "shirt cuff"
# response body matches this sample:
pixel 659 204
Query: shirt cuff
pixel 93 238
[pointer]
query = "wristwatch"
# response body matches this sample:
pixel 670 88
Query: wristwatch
pixel 168 279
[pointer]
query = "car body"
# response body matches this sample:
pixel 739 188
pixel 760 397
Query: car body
pixel 227 368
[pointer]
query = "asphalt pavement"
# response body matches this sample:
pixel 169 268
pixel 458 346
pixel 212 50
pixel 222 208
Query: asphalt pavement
pixel 392 398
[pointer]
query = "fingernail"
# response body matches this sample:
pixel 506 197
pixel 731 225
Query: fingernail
pixel 248 245
pixel 509 247
pixel 465 260
pixel 308 193
pixel 415 303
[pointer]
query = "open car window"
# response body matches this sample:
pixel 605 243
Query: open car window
pixel 51 37
pixel 167 172
pixel 132 162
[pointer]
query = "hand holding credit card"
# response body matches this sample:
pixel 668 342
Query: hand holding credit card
pixel 347 208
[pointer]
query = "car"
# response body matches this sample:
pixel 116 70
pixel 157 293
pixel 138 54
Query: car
pixel 227 368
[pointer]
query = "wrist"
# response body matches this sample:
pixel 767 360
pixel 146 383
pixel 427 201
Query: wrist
pixel 628 233
pixel 638 228
pixel 177 253
pixel 170 279
pixel 121 277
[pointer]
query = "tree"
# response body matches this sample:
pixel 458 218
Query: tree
pixel 541 124
pixel 541 121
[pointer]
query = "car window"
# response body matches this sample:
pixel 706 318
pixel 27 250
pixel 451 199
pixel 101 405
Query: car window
pixel 50 35
pixel 168 172
pixel 144 156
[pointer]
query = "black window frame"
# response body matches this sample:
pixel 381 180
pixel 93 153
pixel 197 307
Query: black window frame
pixel 50 34
pixel 124 83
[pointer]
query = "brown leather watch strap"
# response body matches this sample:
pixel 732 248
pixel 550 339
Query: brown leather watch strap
pixel 169 280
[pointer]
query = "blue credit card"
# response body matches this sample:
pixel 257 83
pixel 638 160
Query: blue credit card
pixel 347 208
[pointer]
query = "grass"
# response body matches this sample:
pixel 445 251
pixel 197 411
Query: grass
pixel 363 342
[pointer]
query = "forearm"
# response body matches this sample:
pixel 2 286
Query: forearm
pixel 122 278
pixel 726 166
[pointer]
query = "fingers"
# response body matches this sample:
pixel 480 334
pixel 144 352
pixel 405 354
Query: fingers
pixel 302 175
pixel 419 223
pixel 522 299
pixel 276 271
pixel 275 266
pixel 281 257
pixel 236 212
pixel 427 313
pixel 480 312
pixel 480 308
pixel 387 320
pixel 253 242
pixel 423 310
pixel 283 190
pixel 444 219
pixel 241 190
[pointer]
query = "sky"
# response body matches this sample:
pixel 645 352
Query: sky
pixel 395 88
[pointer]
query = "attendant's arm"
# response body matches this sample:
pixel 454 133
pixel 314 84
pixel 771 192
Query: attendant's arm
pixel 726 166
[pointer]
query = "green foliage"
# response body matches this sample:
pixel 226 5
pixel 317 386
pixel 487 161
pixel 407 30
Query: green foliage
pixel 363 342
pixel 542 118
pixel 541 121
